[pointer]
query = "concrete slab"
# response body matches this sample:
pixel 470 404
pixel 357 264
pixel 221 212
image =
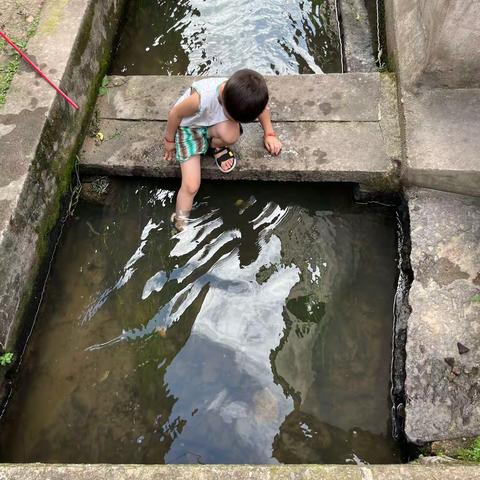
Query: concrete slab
pixel 442 377
pixel 333 127
pixel 442 139
pixel 252 472
pixel 350 152
pixel 301 98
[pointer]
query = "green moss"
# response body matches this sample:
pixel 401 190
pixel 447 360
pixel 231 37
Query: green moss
pixel 386 183
pixel 470 454
pixel 63 169
pixel 391 76
pixel 391 64
pixel 53 16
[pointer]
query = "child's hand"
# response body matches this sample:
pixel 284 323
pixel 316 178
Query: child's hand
pixel 169 149
pixel 272 144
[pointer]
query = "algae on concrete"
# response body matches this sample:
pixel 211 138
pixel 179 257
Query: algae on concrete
pixel 40 135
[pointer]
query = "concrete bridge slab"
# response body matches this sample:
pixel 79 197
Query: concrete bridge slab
pixel 293 98
pixel 333 127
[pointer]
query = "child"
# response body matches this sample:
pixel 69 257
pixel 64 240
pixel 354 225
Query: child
pixel 207 118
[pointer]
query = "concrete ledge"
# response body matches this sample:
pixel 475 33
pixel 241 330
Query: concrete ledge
pixel 39 134
pixel 442 380
pixel 333 127
pixel 350 152
pixel 252 472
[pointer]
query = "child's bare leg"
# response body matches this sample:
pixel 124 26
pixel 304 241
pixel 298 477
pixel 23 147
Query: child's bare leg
pixel 190 185
pixel 222 134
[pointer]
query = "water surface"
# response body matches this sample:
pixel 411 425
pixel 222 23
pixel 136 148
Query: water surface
pixel 202 37
pixel 260 334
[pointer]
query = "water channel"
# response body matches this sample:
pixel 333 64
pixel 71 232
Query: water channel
pixel 260 334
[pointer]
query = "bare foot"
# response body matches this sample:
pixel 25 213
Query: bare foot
pixel 178 221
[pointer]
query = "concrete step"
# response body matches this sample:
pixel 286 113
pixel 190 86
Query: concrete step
pixel 443 384
pixel 443 140
pixel 333 127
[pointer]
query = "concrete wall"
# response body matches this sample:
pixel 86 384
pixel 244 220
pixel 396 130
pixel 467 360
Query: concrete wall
pixel 39 136
pixel 440 44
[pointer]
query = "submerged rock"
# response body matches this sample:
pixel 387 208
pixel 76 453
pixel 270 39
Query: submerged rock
pixel 95 190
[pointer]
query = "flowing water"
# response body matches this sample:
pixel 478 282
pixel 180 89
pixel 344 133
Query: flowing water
pixel 201 37
pixel 260 334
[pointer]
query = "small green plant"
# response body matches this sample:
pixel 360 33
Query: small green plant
pixel 7 71
pixel 471 454
pixel 476 298
pixel 103 87
pixel 6 359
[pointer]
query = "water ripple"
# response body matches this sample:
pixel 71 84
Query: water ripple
pixel 199 37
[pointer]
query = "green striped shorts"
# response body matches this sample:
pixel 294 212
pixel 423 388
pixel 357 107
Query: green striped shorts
pixel 190 141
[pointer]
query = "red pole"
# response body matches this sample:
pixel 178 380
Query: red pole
pixel 68 99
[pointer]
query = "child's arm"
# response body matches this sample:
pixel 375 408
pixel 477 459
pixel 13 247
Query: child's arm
pixel 184 109
pixel 272 143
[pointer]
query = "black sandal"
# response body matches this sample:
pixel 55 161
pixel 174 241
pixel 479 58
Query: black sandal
pixel 225 156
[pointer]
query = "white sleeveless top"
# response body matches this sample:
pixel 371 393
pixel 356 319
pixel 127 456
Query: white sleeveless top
pixel 210 111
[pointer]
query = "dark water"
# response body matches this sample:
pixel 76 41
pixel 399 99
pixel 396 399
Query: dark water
pixel 260 334
pixel 202 37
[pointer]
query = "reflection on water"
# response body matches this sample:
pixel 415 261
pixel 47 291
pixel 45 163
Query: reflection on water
pixel 260 334
pixel 200 37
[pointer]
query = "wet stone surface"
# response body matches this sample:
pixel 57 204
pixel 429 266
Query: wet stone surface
pixel 95 190
pixel 260 334
pixel 443 338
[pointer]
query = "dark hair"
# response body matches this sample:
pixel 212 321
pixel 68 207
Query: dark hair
pixel 245 95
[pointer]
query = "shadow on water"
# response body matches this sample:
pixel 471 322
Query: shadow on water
pixel 198 37
pixel 260 334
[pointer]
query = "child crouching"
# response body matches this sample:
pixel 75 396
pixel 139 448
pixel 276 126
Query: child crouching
pixel 207 119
